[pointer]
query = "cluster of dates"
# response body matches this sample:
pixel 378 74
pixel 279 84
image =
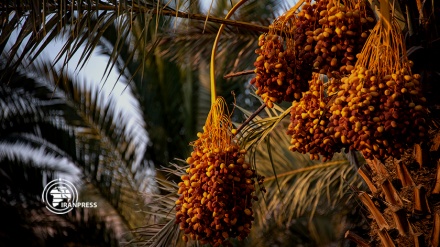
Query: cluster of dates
pixel 325 37
pixel 309 122
pixel 216 194
pixel 379 115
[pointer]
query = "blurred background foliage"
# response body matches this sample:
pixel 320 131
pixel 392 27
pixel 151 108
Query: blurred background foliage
pixel 56 124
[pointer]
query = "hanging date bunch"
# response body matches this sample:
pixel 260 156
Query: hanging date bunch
pixel 344 26
pixel 324 36
pixel 279 77
pixel 380 109
pixel 215 204
pixel 310 120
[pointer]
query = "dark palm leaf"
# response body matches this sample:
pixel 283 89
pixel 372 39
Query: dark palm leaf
pixel 63 118
pixel 26 220
pixel 81 22
pixel 191 42
pixel 109 153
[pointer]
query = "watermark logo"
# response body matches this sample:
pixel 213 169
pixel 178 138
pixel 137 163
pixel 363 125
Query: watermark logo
pixel 61 196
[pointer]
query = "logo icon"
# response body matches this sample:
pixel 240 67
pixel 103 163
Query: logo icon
pixel 59 196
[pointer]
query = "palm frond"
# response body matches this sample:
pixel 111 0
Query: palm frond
pixel 72 120
pixel 17 107
pixel 295 185
pixel 162 231
pixel 25 169
pixel 22 171
pixel 32 26
pixel 109 154
pixel 193 42
pixel 22 181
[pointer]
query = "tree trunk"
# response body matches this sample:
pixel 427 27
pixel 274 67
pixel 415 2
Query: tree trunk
pixel 403 201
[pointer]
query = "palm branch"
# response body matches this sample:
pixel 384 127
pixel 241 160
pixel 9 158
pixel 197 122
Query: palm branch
pixel 67 120
pixel 22 179
pixel 82 23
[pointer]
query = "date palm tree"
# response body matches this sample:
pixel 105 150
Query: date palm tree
pixel 393 185
pixel 244 42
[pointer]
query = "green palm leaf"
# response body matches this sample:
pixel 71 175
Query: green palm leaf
pixel 117 181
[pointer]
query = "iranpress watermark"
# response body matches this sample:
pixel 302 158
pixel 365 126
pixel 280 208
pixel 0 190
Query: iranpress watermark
pixel 61 196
